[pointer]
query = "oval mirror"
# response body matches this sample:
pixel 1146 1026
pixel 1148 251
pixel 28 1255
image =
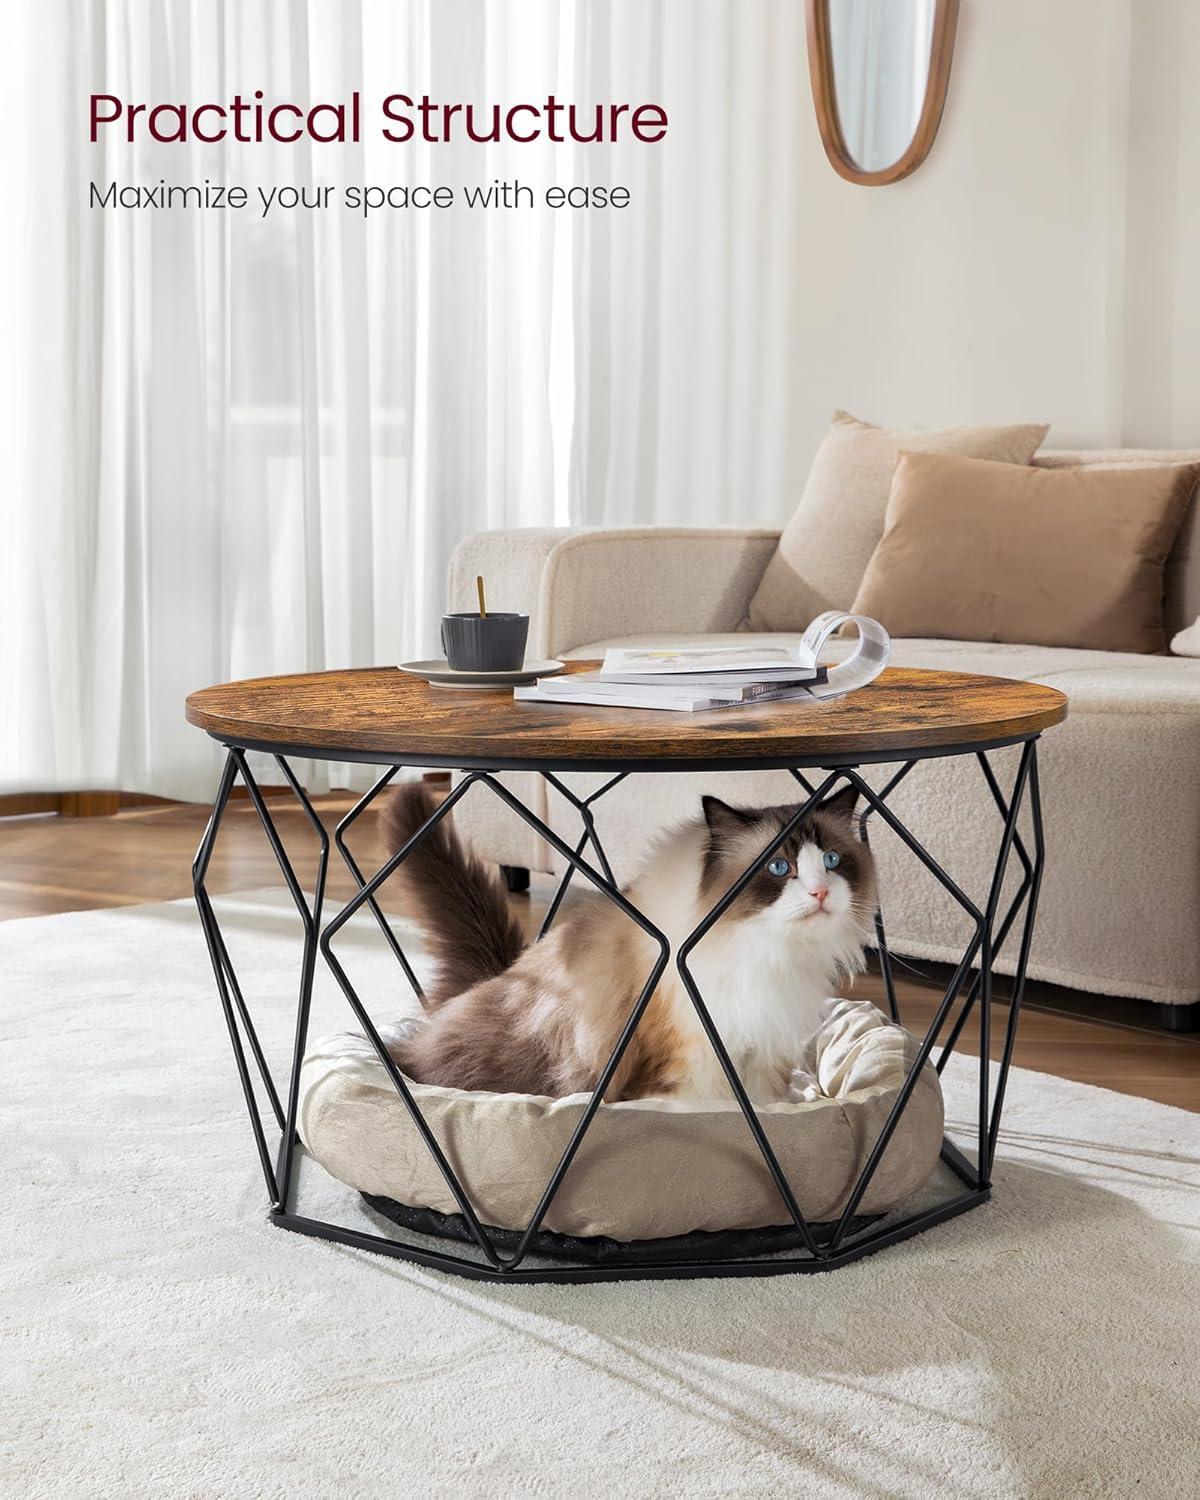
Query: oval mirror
pixel 879 71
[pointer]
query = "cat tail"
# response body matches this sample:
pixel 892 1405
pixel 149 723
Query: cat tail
pixel 458 901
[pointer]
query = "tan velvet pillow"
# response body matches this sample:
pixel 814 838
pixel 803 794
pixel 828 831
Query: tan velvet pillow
pixel 827 544
pixel 980 551
pixel 1182 604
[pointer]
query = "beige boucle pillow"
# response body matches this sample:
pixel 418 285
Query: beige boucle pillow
pixel 981 551
pixel 824 550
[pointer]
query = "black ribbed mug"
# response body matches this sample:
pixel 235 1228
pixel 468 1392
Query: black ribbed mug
pixel 485 643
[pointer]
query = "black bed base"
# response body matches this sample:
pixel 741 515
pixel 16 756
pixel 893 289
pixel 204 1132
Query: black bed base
pixel 600 1250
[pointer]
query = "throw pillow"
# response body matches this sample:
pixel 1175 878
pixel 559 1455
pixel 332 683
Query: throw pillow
pixel 827 544
pixel 1187 642
pixel 1182 603
pixel 981 551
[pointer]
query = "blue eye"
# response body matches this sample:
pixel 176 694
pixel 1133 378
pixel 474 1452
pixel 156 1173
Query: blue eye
pixel 779 867
pixel 832 859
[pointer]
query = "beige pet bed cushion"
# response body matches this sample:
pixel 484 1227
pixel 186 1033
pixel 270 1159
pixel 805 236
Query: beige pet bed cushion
pixel 647 1168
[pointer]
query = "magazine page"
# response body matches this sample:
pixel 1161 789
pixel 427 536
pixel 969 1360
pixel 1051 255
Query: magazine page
pixel 872 648
pixel 784 656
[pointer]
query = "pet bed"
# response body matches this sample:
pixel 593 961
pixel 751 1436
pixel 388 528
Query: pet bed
pixel 646 1169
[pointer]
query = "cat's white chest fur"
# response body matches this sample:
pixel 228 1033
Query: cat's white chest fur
pixel 766 1001
pixel 764 981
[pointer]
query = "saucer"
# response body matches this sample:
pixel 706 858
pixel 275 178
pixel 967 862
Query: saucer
pixel 438 674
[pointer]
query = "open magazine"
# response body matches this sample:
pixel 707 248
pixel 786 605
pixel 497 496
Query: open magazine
pixel 694 678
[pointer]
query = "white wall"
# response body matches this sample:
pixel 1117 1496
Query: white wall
pixel 1161 287
pixel 1039 266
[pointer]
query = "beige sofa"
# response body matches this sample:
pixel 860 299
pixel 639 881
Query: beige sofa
pixel 1120 909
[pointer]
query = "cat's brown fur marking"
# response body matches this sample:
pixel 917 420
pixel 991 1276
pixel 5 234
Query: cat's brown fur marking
pixel 736 835
pixel 458 900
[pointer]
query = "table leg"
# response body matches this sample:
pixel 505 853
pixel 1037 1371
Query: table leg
pixel 277 1175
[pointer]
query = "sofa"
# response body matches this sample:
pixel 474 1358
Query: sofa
pixel 1120 907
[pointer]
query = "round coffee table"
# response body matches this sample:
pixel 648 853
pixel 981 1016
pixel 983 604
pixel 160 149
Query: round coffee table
pixel 383 717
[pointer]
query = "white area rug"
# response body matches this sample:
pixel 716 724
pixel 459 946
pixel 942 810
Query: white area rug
pixel 161 1339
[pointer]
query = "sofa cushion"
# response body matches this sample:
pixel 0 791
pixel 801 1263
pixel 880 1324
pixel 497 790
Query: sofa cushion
pixel 983 551
pixel 825 547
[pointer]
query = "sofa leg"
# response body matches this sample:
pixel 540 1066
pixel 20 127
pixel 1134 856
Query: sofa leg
pixel 516 879
pixel 1179 1017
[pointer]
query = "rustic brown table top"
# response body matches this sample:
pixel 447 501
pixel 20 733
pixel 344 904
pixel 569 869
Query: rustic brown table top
pixel 381 715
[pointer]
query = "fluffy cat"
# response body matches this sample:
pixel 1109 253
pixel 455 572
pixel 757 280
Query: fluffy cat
pixel 543 1018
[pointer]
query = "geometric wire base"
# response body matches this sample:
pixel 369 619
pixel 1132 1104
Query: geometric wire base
pixel 532 1254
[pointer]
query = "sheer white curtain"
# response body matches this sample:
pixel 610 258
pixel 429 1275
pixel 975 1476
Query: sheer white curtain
pixel 243 445
pixel 693 310
pixel 247 445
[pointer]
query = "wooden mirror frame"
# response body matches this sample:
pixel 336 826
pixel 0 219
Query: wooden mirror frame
pixel 824 92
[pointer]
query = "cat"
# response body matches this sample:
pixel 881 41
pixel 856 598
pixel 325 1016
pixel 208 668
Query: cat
pixel 543 1018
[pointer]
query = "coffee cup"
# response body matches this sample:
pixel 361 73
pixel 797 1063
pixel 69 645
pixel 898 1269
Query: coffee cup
pixel 494 642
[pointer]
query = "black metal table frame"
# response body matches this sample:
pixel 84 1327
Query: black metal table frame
pixel 836 1246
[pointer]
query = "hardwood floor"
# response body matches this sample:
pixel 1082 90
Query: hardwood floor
pixel 54 864
pixel 50 864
